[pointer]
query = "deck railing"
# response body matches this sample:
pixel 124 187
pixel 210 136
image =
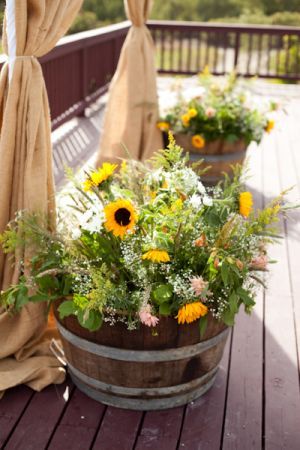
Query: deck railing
pixel 80 67
pixel 251 50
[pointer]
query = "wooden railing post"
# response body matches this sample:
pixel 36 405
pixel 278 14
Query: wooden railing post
pixel 236 49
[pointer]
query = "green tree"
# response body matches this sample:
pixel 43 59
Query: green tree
pixel 273 6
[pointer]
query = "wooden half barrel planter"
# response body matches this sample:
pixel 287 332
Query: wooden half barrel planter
pixel 139 369
pixel 219 155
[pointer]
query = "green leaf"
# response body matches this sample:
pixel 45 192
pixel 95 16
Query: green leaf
pixel 224 273
pixel 40 297
pixel 164 309
pixel 92 320
pixel 233 303
pixel 66 309
pixel 203 325
pixel 245 297
pixel 162 293
pixel 228 317
pixel 21 297
pixel 67 284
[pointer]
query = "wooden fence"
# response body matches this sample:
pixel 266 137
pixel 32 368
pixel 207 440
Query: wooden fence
pixel 81 66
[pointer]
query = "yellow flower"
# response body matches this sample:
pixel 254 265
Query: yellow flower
pixel 120 217
pixel 163 126
pixel 156 256
pixel 246 203
pixel 177 205
pixel 98 177
pixel 87 185
pixel 191 312
pixel 185 118
pixel 270 125
pixel 198 141
pixel 206 71
pixel 192 112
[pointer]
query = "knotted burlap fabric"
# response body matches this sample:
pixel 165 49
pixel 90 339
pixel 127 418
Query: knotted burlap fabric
pixel 27 180
pixel 132 110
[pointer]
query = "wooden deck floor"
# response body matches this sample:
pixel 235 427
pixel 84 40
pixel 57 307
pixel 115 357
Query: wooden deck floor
pixel 255 402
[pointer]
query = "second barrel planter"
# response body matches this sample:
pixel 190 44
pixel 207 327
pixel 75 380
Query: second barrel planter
pixel 219 155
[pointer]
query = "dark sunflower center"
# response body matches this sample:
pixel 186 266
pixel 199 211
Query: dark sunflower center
pixel 122 217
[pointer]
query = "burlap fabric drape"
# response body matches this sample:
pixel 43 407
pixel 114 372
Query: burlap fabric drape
pixel 132 109
pixel 26 179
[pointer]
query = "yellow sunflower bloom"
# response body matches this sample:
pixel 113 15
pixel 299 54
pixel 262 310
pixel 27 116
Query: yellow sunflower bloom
pixel 163 126
pixel 185 118
pixel 192 112
pixel 98 177
pixel 198 141
pixel 191 312
pixel 245 203
pixel 87 185
pixel 120 217
pixel 270 125
pixel 156 256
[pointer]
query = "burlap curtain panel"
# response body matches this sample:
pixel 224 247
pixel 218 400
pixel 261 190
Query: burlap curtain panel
pixel 32 29
pixel 132 109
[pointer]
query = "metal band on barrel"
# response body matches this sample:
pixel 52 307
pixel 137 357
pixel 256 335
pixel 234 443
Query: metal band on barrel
pixel 143 404
pixel 141 355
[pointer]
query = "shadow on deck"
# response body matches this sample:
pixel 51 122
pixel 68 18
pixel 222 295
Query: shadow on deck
pixel 255 402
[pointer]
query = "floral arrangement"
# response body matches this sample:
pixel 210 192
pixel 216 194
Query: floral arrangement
pixel 222 110
pixel 144 241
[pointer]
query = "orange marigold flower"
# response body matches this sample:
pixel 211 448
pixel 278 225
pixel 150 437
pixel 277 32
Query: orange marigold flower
pixel 157 256
pixel 270 125
pixel 198 141
pixel 245 203
pixel 191 312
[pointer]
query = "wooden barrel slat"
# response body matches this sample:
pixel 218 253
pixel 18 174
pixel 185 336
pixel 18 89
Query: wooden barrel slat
pixel 162 371
pixel 139 373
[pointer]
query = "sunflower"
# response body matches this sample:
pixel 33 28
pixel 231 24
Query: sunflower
pixel 245 203
pixel 191 312
pixel 98 177
pixel 156 256
pixel 192 112
pixel 163 126
pixel 198 141
pixel 270 126
pixel 120 217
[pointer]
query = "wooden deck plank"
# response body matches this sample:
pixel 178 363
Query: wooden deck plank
pixel 161 429
pixel 79 424
pixel 244 412
pixel 118 430
pixel 12 406
pixel 203 421
pixel 282 400
pixel 39 419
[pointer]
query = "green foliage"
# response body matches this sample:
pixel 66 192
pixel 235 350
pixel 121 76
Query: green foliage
pixel 86 20
pixel 150 270
pixel 222 112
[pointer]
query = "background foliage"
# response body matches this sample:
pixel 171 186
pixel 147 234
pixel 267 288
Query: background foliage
pixel 273 12
pixel 97 13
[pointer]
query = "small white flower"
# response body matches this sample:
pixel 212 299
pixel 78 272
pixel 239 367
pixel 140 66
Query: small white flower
pixel 200 188
pixel 195 201
pixel 75 233
pixel 207 201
